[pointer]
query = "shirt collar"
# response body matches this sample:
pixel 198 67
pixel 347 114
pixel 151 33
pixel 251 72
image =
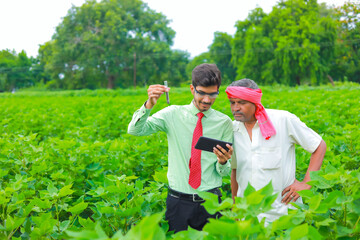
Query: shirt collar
pixel 240 127
pixel 195 111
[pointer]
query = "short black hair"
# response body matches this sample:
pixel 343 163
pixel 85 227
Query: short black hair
pixel 245 82
pixel 206 75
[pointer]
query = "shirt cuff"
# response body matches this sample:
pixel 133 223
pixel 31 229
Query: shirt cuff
pixel 223 169
pixel 143 110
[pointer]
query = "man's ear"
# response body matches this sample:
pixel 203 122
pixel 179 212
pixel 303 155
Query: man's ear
pixel 192 89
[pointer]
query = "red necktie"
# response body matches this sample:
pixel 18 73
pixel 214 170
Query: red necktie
pixel 195 160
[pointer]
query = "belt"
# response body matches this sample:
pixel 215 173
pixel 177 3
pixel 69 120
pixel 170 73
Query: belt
pixel 192 197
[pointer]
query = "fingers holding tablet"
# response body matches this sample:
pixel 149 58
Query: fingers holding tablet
pixel 223 150
pixel 222 155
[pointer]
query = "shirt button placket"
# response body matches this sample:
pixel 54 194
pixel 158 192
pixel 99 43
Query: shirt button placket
pixel 254 164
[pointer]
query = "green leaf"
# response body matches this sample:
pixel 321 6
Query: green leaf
pixel 299 232
pixel 355 206
pixel 45 223
pixel 78 208
pixel 64 225
pixel 13 223
pixel 325 222
pixel 139 184
pixel 66 190
pixel 268 201
pixel 108 210
pixel 217 227
pixel 96 233
pixel 147 229
pixel 100 191
pixel 36 149
pixel 342 231
pixel 288 221
pixel 306 194
pixel 225 204
pixel 257 197
pixel 161 176
pixel 190 234
pixel 319 181
pixel 131 178
pixel 113 189
pixel 240 203
pixel 314 202
pixel 249 189
pixel 131 211
pixel 267 190
pixel 254 198
pixel 52 190
pixel 330 202
pixel 93 167
pixel 330 169
pixel 344 199
pixel 86 223
pixel 211 203
pixel 314 234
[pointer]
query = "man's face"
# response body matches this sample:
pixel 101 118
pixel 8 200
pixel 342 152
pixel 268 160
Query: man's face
pixel 204 97
pixel 243 111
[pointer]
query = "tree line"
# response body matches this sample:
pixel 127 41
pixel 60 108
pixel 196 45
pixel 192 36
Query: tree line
pixel 124 43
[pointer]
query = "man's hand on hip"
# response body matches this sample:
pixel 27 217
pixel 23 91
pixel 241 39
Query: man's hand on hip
pixel 290 192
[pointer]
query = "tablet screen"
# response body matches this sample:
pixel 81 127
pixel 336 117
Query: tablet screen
pixel 207 144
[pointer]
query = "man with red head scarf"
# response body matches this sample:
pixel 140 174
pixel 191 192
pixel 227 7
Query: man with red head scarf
pixel 264 148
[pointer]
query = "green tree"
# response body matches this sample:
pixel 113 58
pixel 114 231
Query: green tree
pixel 177 67
pixel 16 70
pixel 111 43
pixel 347 63
pixel 202 58
pixel 243 47
pixel 293 44
pixel 220 54
pixel 163 65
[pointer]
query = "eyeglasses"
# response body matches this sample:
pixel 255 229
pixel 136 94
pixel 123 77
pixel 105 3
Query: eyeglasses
pixel 203 94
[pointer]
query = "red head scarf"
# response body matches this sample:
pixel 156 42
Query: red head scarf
pixel 254 95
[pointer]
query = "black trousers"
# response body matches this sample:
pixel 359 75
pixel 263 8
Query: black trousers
pixel 181 213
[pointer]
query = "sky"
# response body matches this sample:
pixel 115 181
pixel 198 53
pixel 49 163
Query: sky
pixel 27 24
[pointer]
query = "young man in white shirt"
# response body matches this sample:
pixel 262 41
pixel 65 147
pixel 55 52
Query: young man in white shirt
pixel 264 148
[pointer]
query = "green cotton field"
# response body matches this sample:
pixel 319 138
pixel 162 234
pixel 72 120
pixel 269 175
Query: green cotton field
pixel 69 170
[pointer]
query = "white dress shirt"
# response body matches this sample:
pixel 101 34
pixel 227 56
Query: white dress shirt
pixel 259 161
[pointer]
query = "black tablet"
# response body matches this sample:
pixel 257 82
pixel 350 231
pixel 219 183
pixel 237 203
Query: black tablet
pixel 207 144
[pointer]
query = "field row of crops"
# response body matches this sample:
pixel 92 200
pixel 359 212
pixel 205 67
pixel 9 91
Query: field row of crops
pixel 69 170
